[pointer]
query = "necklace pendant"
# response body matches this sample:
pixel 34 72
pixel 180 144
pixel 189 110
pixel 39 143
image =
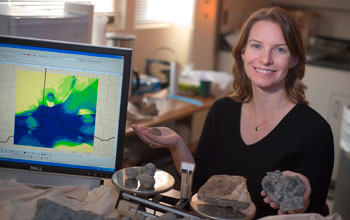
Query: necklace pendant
pixel 257 128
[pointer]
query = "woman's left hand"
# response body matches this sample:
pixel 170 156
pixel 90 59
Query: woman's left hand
pixel 307 193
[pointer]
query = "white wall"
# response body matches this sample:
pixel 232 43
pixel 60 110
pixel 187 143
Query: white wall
pixel 335 24
pixel 330 4
pixel 334 15
pixel 149 40
pixel 204 34
pixel 328 90
pixel 234 13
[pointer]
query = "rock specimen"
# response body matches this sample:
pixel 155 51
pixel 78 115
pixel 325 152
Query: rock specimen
pixel 47 209
pixel 145 175
pixel 166 216
pixel 220 212
pixel 146 181
pixel 149 168
pixel 132 173
pixel 131 183
pixel 287 191
pixel 225 191
pixel 139 217
pixel 155 131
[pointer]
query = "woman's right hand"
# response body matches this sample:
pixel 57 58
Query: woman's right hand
pixel 167 139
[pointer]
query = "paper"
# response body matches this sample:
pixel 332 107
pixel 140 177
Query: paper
pixel 345 130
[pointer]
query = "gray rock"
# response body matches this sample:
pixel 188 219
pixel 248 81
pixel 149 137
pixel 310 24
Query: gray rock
pixel 146 181
pixel 287 191
pixel 191 218
pixel 156 132
pixel 46 209
pixel 139 216
pixel 149 168
pixel 132 173
pixel 131 183
pixel 220 212
pixel 167 216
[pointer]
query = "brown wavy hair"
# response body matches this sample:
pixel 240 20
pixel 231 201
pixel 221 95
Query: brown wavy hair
pixel 295 89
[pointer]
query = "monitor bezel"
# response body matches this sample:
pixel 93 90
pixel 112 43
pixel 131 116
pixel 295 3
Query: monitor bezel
pixel 81 47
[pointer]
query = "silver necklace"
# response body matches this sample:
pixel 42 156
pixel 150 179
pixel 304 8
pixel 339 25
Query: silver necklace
pixel 258 125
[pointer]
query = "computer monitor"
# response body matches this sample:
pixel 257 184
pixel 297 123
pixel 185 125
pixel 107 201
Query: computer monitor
pixel 62 111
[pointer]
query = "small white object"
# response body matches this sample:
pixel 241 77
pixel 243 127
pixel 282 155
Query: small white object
pixel 187 170
pixel 345 130
pixel 99 30
pixel 189 167
pixel 174 77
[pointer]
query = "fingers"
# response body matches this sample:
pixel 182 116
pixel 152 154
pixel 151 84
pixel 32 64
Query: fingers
pixel 307 192
pixel 274 205
pixel 167 139
pixel 302 177
pixel 151 140
pixel 280 212
pixel 267 200
pixel 142 132
pixel 138 130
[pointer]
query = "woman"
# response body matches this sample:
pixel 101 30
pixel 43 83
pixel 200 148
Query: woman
pixel 266 124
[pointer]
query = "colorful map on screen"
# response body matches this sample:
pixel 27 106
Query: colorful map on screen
pixel 55 110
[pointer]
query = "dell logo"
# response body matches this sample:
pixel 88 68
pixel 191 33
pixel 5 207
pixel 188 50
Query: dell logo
pixel 36 168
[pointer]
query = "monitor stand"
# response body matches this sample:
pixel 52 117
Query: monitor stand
pixel 45 179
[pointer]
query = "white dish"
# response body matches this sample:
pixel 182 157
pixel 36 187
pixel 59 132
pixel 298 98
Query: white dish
pixel 163 182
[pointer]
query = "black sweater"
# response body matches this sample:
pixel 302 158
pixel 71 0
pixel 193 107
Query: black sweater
pixel 302 142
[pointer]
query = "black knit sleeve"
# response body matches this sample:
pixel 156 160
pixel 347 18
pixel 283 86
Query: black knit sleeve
pixel 316 161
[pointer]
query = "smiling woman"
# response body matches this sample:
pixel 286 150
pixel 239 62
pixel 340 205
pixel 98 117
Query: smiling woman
pixel 289 43
pixel 266 124
pixel 266 57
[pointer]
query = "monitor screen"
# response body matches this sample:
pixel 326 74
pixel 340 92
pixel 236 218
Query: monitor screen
pixel 62 106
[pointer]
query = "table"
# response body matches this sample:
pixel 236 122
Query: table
pixel 172 109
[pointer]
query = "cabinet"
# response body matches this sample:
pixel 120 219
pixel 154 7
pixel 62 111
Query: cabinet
pixel 328 91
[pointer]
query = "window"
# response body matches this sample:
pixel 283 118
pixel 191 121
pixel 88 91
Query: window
pixel 177 12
